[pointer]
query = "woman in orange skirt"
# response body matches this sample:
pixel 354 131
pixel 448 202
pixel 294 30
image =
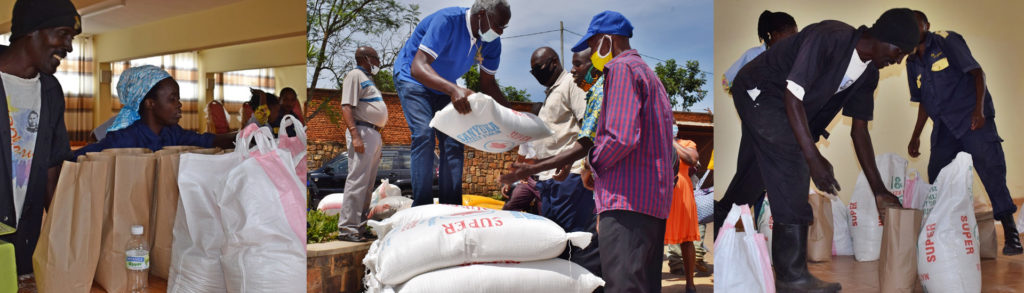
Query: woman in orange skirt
pixel 681 228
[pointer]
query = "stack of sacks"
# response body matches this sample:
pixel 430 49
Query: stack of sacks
pixel 450 248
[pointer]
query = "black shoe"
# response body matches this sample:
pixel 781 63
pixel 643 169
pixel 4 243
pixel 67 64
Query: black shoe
pixel 789 256
pixel 369 235
pixel 1011 244
pixel 352 238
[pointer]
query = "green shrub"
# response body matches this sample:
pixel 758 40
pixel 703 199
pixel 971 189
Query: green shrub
pixel 322 228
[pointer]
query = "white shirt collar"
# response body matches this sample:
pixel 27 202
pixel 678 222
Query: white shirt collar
pixel 855 59
pixel 469 28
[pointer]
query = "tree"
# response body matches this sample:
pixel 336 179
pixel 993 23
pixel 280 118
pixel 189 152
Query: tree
pixel 513 94
pixel 684 84
pixel 335 28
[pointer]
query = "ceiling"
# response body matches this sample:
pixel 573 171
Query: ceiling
pixel 100 16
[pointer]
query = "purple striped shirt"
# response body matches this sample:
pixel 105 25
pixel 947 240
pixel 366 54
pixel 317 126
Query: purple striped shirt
pixel 632 151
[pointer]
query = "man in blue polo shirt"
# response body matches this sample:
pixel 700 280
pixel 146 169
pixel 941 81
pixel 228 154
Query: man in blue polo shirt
pixel 441 49
pixel 950 85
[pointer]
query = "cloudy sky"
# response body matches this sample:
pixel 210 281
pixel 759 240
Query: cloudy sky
pixel 663 29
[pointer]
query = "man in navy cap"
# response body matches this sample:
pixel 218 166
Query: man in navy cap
pixel 785 98
pixel 631 159
pixel 950 85
pixel 36 143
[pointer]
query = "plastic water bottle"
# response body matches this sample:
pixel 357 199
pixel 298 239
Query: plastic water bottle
pixel 137 261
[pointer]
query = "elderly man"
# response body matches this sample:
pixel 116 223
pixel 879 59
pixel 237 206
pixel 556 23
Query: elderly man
pixel 443 47
pixel 631 160
pixel 41 34
pixel 785 98
pixel 365 113
pixel 950 85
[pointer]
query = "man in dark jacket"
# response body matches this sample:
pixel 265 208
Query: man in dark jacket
pixel 36 143
pixel 785 97
pixel 950 87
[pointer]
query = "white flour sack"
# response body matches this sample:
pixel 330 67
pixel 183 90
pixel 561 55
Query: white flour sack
pixel 552 275
pixel 865 224
pixel 415 214
pixel 331 204
pixel 464 238
pixel 842 242
pixel 490 127
pixel 948 252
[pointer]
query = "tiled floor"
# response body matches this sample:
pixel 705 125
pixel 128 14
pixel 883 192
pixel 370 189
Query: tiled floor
pixel 1003 274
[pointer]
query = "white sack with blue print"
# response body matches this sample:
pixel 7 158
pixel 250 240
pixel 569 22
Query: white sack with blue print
pixel 489 127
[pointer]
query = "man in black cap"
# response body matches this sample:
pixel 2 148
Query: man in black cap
pixel 785 98
pixel 36 143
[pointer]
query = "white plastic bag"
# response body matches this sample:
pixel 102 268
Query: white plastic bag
pixel 385 189
pixel 948 255
pixel 842 242
pixel 765 222
pixel 552 275
pixel 463 238
pixel 331 204
pixel 295 145
pixel 742 260
pixel 198 231
pixel 865 223
pixel 416 214
pixel 264 250
pixel 1020 220
pixel 916 191
pixel 490 127
pixel 387 207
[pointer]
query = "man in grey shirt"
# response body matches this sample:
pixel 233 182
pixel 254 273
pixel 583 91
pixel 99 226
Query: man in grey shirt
pixel 365 114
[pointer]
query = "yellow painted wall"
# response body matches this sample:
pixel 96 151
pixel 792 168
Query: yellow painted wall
pixel 232 24
pixel 244 35
pixel 293 77
pixel 266 54
pixel 990 28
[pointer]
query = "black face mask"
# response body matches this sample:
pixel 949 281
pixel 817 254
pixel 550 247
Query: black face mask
pixel 543 74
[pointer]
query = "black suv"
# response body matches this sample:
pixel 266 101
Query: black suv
pixel 394 166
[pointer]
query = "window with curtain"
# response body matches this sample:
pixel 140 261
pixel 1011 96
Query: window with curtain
pixel 232 89
pixel 183 67
pixel 76 77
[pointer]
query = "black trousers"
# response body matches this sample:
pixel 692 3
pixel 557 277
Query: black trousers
pixel 769 160
pixel 632 245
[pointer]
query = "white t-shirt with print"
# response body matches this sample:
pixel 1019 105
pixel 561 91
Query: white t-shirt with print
pixel 853 71
pixel 23 103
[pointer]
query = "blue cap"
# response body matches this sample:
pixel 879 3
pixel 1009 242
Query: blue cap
pixel 607 22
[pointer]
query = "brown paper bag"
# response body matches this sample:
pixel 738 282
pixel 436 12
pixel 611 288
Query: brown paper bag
pixel 134 175
pixel 179 148
pixel 819 234
pixel 165 206
pixel 897 265
pixel 987 235
pixel 127 151
pixel 69 244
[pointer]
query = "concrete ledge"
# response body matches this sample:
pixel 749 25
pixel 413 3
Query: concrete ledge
pixel 335 247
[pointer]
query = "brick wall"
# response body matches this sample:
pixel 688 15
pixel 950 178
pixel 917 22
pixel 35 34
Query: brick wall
pixel 480 169
pixel 327 140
